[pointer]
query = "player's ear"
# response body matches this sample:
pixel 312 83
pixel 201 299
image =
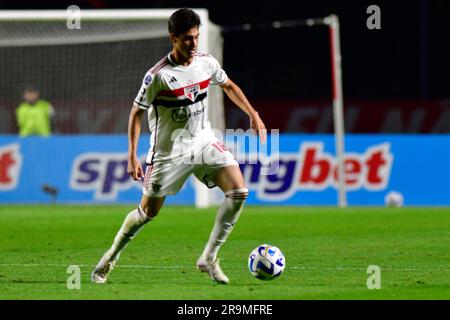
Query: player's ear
pixel 172 37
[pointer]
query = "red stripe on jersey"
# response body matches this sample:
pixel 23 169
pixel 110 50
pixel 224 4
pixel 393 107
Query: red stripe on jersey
pixel 180 91
pixel 148 173
pixel 159 65
pixel 156 66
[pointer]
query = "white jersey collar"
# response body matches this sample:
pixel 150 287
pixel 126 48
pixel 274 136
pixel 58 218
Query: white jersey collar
pixel 179 65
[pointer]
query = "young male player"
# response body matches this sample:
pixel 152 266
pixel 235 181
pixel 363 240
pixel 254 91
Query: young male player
pixel 174 93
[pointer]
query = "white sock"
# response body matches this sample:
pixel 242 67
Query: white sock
pixel 226 217
pixel 133 222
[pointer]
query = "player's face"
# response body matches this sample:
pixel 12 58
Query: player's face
pixel 186 43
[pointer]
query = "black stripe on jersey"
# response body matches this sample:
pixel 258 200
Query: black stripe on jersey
pixel 142 105
pixel 156 134
pixel 178 103
pixel 203 120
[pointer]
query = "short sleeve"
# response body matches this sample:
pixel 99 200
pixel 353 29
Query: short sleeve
pixel 148 91
pixel 218 75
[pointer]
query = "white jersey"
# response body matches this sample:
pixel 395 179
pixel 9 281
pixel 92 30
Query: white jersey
pixel 176 97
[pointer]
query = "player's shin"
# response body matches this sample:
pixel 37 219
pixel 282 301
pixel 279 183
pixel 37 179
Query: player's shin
pixel 227 216
pixel 133 222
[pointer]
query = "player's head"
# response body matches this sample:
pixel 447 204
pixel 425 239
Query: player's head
pixel 31 94
pixel 184 27
pixel 182 20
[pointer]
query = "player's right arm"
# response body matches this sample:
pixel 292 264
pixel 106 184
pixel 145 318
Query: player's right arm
pixel 134 167
pixel 148 91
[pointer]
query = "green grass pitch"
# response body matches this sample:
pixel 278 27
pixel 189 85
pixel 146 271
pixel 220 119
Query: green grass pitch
pixel 328 251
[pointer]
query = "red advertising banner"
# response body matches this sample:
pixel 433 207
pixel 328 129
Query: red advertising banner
pixel 87 116
pixel 361 116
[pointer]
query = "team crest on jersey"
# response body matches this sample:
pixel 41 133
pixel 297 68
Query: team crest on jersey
pixel 156 186
pixel 191 92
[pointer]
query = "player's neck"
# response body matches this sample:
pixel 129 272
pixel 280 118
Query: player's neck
pixel 181 60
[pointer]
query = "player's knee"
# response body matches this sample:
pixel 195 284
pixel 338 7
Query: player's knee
pixel 149 210
pixel 151 206
pixel 239 195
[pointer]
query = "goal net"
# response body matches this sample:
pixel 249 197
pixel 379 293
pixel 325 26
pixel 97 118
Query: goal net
pixel 93 73
pixel 91 69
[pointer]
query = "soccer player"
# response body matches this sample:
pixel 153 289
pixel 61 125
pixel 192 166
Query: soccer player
pixel 174 93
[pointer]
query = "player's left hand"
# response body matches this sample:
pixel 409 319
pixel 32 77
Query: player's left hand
pixel 258 126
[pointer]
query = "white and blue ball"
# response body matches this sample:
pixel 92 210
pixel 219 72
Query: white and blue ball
pixel 266 262
pixel 394 199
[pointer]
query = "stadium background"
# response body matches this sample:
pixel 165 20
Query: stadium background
pixel 396 90
pixel 395 81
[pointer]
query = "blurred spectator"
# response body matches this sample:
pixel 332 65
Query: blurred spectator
pixel 34 114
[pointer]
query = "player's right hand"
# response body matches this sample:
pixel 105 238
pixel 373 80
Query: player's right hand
pixel 134 169
pixel 258 127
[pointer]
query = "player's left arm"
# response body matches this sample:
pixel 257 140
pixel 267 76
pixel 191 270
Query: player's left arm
pixel 236 95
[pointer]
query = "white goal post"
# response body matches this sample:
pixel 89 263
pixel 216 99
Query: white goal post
pixel 332 21
pixel 338 104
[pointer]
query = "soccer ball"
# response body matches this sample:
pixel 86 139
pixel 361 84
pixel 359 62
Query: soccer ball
pixel 394 199
pixel 266 262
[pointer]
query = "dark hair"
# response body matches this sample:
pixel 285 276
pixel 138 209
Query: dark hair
pixel 183 20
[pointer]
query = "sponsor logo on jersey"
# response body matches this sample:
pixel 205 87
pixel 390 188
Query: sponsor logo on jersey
pixel 180 115
pixel 142 97
pixel 173 80
pixel 191 92
pixel 10 165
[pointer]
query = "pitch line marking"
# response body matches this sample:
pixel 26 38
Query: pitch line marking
pixel 36 265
